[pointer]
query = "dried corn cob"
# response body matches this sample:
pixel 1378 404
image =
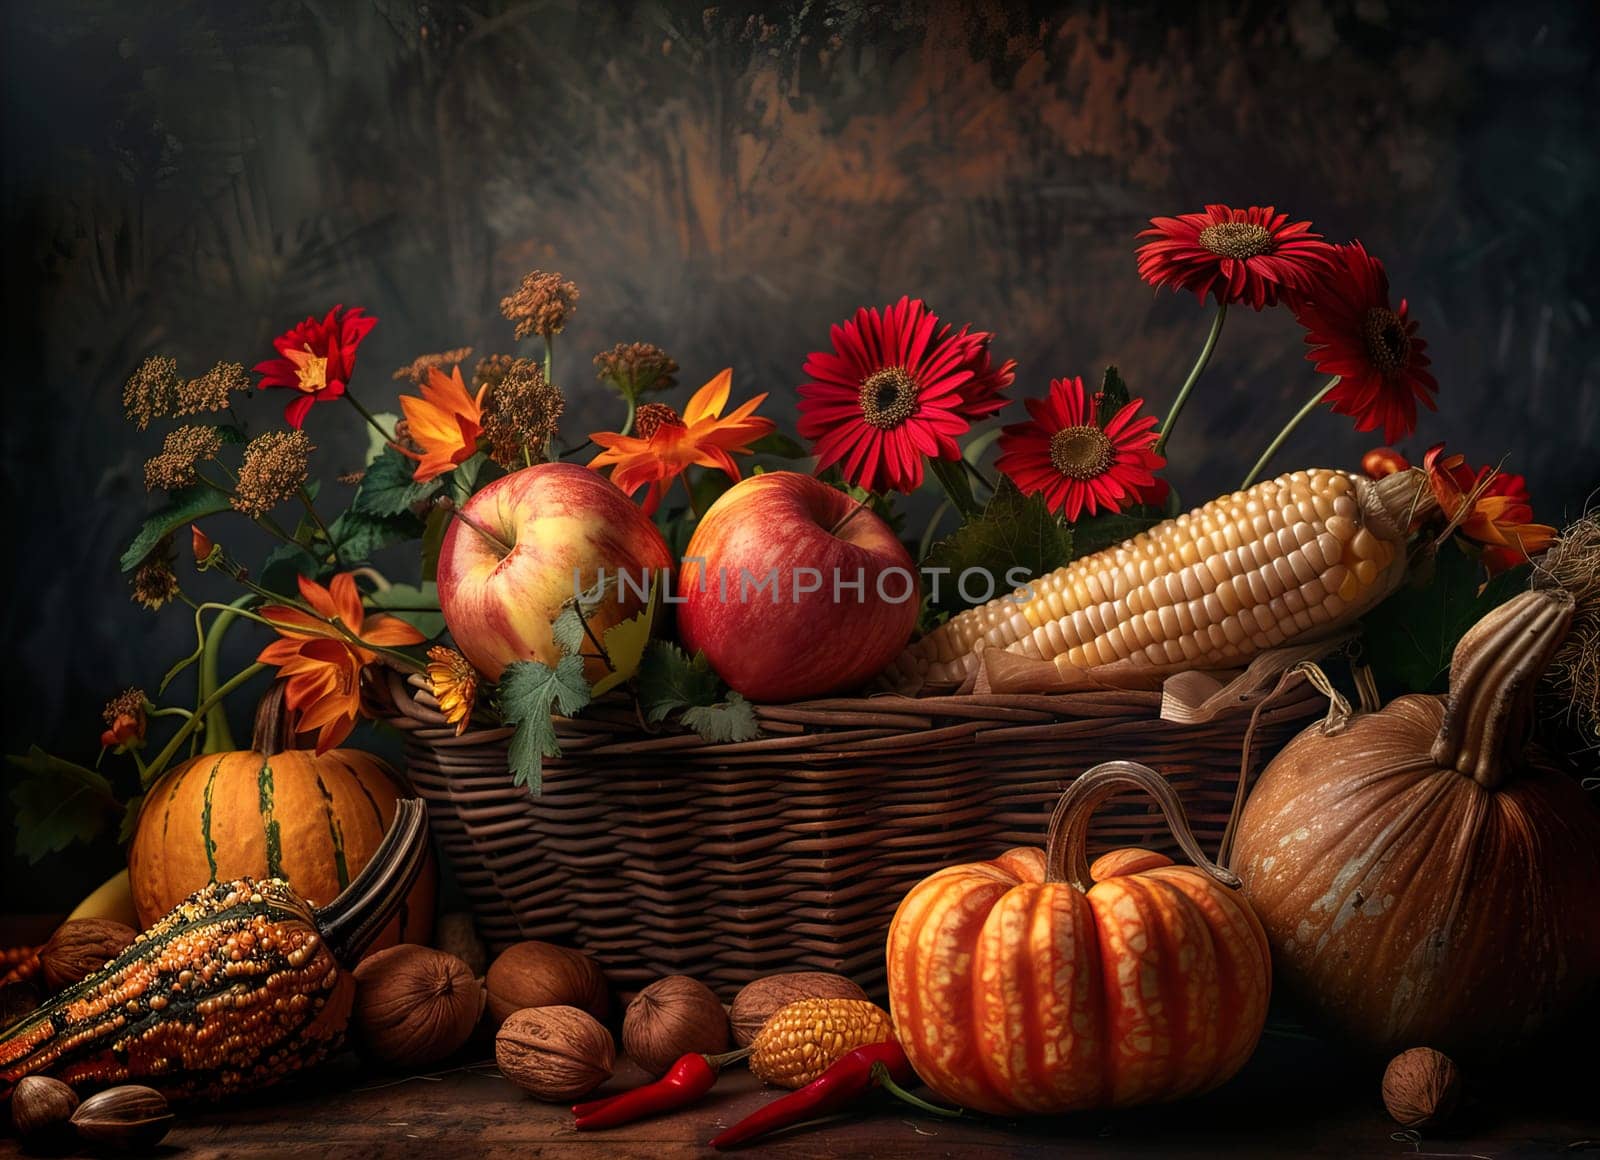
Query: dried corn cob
pixel 1295 557
pixel 805 1038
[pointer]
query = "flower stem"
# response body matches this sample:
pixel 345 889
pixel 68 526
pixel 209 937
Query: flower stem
pixel 952 476
pixel 368 416
pixel 1272 448
pixel 218 736
pixel 159 762
pixel 1194 377
pixel 549 357
pixel 305 498
pixel 627 422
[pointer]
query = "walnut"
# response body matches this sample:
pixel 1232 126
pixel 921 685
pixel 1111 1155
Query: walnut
pixel 414 1005
pixel 81 947
pixel 764 998
pixel 536 974
pixel 1420 1088
pixel 455 934
pixel 554 1053
pixel 670 1018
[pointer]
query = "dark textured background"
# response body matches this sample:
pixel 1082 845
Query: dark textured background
pixel 189 178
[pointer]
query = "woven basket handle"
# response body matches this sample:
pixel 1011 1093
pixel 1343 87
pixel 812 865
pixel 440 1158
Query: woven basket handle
pixel 1067 854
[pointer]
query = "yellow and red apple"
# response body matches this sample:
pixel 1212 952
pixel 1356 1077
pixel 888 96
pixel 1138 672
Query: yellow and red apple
pixel 793 589
pixel 519 549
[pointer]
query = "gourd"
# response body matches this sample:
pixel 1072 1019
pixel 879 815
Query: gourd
pixel 1036 983
pixel 240 986
pixel 272 811
pixel 1426 876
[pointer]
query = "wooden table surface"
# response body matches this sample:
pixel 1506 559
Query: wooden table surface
pixel 1295 1098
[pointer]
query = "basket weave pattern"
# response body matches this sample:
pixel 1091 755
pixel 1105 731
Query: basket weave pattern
pixel 659 853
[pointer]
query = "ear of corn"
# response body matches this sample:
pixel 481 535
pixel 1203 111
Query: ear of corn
pixel 1294 557
pixel 805 1038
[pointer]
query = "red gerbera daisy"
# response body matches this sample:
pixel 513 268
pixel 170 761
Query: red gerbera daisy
pixel 1374 350
pixel 1079 463
pixel 316 359
pixel 896 388
pixel 1238 255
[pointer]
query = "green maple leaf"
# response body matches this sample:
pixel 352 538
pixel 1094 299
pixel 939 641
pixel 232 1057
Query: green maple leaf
pixel 1015 535
pixel 669 680
pixel 530 692
pixel 730 720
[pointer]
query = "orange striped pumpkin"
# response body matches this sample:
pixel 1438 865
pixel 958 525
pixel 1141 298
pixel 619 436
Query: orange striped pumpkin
pixel 1035 984
pixel 271 812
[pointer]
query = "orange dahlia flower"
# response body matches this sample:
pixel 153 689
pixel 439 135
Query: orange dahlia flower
pixel 322 666
pixel 1492 509
pixel 668 444
pixel 446 423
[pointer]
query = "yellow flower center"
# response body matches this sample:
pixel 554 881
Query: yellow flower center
pixel 1388 344
pixel 310 370
pixel 1237 239
pixel 1081 452
pixel 888 398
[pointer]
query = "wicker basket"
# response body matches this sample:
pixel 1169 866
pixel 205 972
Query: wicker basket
pixel 661 854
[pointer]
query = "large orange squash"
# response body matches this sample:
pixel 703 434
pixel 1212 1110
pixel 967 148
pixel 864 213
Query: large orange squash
pixel 271 812
pixel 1037 984
pixel 1426 875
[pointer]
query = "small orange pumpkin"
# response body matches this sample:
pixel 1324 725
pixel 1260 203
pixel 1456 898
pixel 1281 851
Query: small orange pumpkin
pixel 1037 984
pixel 271 812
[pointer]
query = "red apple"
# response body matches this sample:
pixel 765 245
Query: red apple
pixel 793 590
pixel 520 548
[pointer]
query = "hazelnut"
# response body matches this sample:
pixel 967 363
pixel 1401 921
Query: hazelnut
pixel 414 1005
pixel 554 1053
pixel 764 998
pixel 537 974
pixel 131 1118
pixel 1420 1088
pixel 455 934
pixel 81 947
pixel 670 1018
pixel 41 1109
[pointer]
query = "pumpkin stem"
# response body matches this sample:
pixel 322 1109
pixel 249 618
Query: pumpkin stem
pixel 274 731
pixel 351 921
pixel 1067 855
pixel 1493 675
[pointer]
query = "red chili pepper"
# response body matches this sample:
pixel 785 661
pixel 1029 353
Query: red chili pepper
pixel 686 1081
pixel 878 1065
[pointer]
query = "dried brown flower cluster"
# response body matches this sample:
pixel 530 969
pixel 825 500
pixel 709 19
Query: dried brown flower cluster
pixel 636 367
pixel 540 305
pixel 274 467
pixel 520 413
pixel 152 391
pixel 182 450
pixel 212 391
pixel 416 371
pixel 154 582
pixel 491 369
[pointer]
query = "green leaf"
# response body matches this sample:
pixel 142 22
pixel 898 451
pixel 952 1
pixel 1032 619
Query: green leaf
pixel 387 489
pixel 57 802
pixel 376 443
pixel 433 530
pixel 1113 394
pixel 779 446
pixel 231 433
pixel 417 605
pixel 1016 539
pixel 130 819
pixel 285 562
pixel 182 507
pixel 730 720
pixel 670 680
pixel 1095 533
pixel 530 691
pixel 567 629
pixel 708 487
pixel 359 534
pixel 1409 638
